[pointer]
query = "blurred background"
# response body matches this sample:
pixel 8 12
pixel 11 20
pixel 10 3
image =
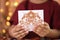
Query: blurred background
pixel 7 8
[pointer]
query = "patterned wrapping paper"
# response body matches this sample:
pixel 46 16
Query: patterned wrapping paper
pixel 30 18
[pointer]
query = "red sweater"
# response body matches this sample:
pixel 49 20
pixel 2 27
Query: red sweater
pixel 51 14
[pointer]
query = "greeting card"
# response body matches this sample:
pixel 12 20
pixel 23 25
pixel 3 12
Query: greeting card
pixel 30 18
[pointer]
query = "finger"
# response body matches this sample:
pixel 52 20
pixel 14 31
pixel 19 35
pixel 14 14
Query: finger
pixel 10 29
pixel 17 28
pixel 24 34
pixel 43 30
pixel 22 31
pixel 40 30
pixel 21 35
pixel 13 30
pixel 46 24
pixel 41 33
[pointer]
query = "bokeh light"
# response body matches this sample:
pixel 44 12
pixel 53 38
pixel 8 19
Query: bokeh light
pixel 8 23
pixel 15 4
pixel 1 10
pixel 10 14
pixel 8 18
pixel 7 3
pixel 4 31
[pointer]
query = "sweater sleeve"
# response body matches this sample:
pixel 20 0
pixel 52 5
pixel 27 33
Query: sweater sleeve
pixel 56 17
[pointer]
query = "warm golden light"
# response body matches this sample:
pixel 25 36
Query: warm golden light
pixel 1 10
pixel 8 23
pixel 7 3
pixel 15 4
pixel 4 31
pixel 10 14
pixel 8 18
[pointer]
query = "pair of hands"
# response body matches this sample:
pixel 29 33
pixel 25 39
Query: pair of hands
pixel 19 32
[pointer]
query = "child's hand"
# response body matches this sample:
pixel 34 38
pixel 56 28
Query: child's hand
pixel 42 30
pixel 17 31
